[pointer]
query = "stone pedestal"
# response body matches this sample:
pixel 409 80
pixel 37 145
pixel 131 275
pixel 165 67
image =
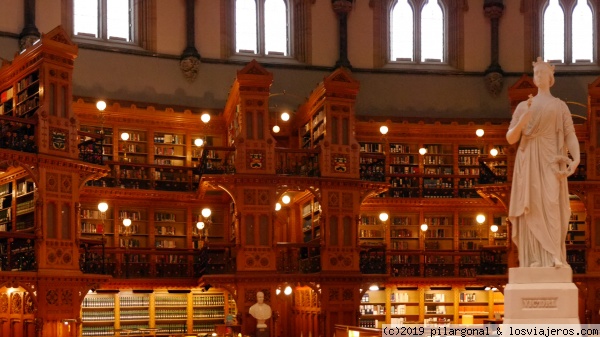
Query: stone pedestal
pixel 262 332
pixel 541 295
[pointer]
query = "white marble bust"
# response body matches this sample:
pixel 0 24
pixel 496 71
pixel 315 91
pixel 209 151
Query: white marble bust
pixel 260 310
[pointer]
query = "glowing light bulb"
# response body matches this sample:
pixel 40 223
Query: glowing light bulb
pixel 285 116
pixel 287 290
pixel 480 218
pixel 103 207
pixel 422 151
pixel 277 206
pixel 479 132
pixel 206 212
pixel 494 152
pixel 276 128
pixel 125 136
pixel 424 227
pixel 384 130
pixel 286 199
pixel 205 117
pixel 198 142
pixel 101 105
pixel 126 222
pixel 200 225
pixel 383 216
pixel 494 228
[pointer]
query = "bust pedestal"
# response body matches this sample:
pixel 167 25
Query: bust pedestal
pixel 262 332
pixel 541 295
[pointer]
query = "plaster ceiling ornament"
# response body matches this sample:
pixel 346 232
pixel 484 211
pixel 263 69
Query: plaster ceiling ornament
pixel 494 81
pixel 190 66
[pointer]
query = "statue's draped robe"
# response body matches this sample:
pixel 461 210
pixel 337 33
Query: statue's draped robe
pixel 539 203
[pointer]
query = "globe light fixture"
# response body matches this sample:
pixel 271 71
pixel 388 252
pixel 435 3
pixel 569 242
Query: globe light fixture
pixel 479 132
pixel 125 136
pixel 276 129
pixel 422 151
pixel 384 130
pixel 103 207
pixel 277 206
pixel 480 218
pixel 278 291
pixel 287 290
pixel 374 287
pixel 424 227
pixel 383 216
pixel 198 142
pixel 286 199
pixel 101 105
pixel 494 152
pixel 126 222
pixel 494 228
pixel 200 225
pixel 206 212
pixel 285 116
pixel 205 117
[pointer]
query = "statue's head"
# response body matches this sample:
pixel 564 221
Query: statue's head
pixel 543 68
pixel 260 297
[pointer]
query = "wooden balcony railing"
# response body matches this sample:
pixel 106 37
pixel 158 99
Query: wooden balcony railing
pixel 297 162
pixel 17 252
pixel 18 134
pixel 304 258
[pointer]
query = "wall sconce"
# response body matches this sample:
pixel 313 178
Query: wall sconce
pixel 422 151
pixel 480 218
pixel 383 216
pixel 479 133
pixel 205 118
pixel 202 225
pixel 494 152
pixel 384 130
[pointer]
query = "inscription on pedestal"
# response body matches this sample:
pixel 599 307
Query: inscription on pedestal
pixel 539 303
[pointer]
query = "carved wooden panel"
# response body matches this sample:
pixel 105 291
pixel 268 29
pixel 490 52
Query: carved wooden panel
pixel 52 182
pixel 333 200
pixel 66 183
pixel 3 303
pixel 16 303
pixel 249 197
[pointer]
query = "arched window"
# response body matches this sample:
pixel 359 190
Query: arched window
pixel 267 30
pixel 261 27
pixel 405 44
pixel 432 33
pixel 566 34
pixel 103 19
pixel 123 23
pixel 411 33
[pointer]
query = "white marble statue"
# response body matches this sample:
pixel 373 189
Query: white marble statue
pixel 539 202
pixel 260 310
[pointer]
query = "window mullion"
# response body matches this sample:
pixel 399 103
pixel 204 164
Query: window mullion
pixel 102 20
pixel 260 26
pixel 568 10
pixel 417 33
